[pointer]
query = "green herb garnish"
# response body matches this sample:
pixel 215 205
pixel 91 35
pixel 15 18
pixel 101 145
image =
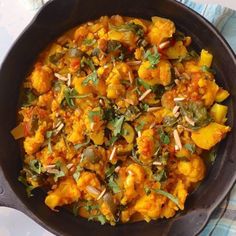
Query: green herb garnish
pixel 118 123
pixel 190 147
pixel 93 77
pixel 35 166
pixel 89 42
pixel 164 137
pixel 112 184
pixel 153 58
pixel 168 195
pixel 29 187
pixel 160 175
pixel 80 145
pixel 207 69
pixel 77 172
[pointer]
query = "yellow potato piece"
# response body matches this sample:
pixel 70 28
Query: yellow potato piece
pixel 209 136
pixel 205 58
pixel 219 112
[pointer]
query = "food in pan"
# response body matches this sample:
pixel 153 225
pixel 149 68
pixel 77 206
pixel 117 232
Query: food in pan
pixel 118 118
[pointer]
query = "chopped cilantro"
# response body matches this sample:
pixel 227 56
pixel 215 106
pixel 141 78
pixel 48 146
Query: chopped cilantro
pixel 118 123
pixel 35 166
pixel 168 195
pixel 93 77
pixel 89 42
pixel 160 175
pixel 164 137
pixel 207 69
pixel 29 187
pixel 77 172
pixel 190 147
pixel 153 58
pixel 112 184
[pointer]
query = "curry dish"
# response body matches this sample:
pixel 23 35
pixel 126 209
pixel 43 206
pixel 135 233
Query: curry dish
pixel 118 120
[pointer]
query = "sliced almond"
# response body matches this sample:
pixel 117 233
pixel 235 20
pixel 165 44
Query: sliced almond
pixel 177 139
pixel 92 190
pixel 175 109
pixel 164 45
pixel 189 120
pixel 145 94
pixel 60 77
pixel 157 163
pixel 133 63
pixel 101 194
pixel 152 109
pixel 179 99
pixel 113 153
pixel 176 72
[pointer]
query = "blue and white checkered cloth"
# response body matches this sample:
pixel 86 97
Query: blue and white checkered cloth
pixel 223 220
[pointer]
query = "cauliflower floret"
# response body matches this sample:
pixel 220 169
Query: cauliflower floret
pixel 160 30
pixel 41 78
pixel 134 180
pixel 66 193
pixel 77 134
pixel 193 170
pixel 32 144
pixel 88 179
pixel 115 88
pixel 180 192
pixel 149 206
pixel 159 75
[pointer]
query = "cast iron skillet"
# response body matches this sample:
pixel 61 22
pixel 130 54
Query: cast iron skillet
pixel 60 15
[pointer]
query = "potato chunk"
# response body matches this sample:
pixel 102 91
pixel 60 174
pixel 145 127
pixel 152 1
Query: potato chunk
pixel 209 136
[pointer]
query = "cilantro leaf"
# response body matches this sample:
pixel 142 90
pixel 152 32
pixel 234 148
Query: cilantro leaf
pixel 140 126
pixel 109 171
pixel 28 98
pixel 101 218
pixel 93 77
pixel 168 195
pixel 112 184
pixel 118 125
pixel 207 69
pixel 29 187
pixel 93 114
pixel 35 166
pixel 190 147
pixel 77 172
pixel 89 42
pixel 153 58
pixel 160 175
pixel 164 137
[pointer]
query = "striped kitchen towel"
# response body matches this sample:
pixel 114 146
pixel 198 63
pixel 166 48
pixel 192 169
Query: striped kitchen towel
pixel 223 219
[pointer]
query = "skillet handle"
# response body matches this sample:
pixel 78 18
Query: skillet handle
pixel 7 197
